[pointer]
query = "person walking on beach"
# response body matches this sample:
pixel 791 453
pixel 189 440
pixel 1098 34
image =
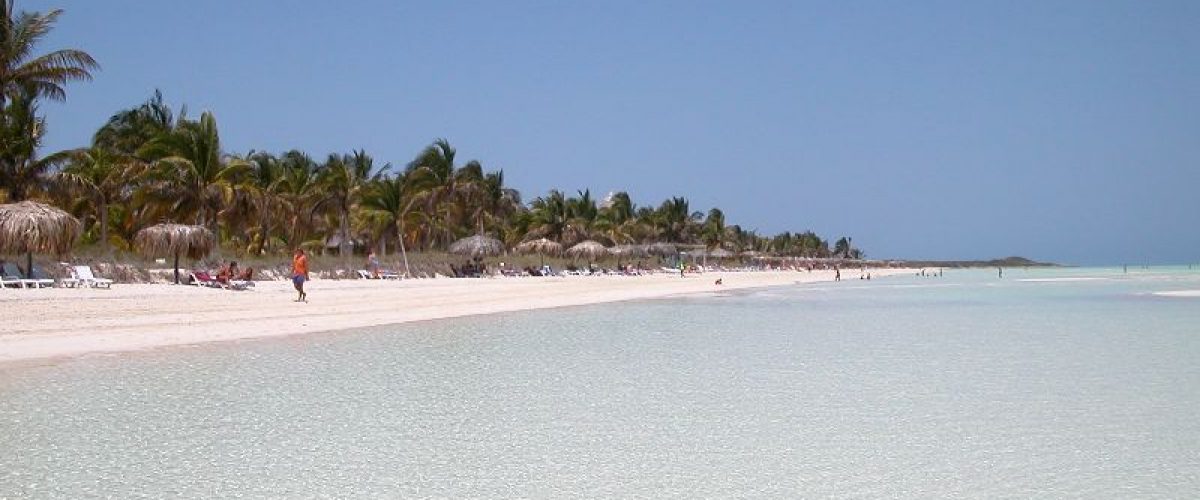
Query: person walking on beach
pixel 300 273
pixel 373 265
pixel 837 274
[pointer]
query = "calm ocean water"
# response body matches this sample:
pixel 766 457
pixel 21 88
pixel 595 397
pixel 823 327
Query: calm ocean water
pixel 1048 383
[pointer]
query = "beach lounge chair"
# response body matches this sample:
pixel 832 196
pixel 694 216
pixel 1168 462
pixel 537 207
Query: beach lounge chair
pixel 40 275
pixel 9 278
pixel 87 278
pixel 364 274
pixel 202 278
pixel 10 281
pixel 243 280
pixel 42 279
pixel 239 284
pixel 12 273
pixel 70 281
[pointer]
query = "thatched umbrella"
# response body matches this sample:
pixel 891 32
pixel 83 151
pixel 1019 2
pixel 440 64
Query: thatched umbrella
pixel 589 249
pixel 717 253
pixel 662 248
pixel 477 246
pixel 29 227
pixel 540 246
pixel 721 253
pixel 174 239
pixel 628 251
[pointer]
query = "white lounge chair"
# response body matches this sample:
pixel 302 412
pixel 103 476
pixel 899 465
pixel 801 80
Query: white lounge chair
pixel 10 281
pixel 235 284
pixel 87 278
pixel 13 274
pixel 43 279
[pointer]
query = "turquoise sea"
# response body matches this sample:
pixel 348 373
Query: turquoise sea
pixel 1047 383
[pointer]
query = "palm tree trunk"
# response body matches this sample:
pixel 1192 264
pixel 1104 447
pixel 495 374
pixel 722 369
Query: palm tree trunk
pixel 344 228
pixel 295 232
pixel 103 207
pixel 176 268
pixel 262 230
pixel 403 253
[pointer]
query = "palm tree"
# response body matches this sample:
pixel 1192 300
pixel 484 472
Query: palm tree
pixel 100 176
pixel 616 211
pixel 443 188
pixel 675 221
pixel 299 191
pixel 842 247
pixel 343 179
pixel 21 131
pixel 713 229
pixel 388 197
pixel 130 129
pixel 581 214
pixel 22 73
pixel 548 216
pixel 265 189
pixel 492 203
pixel 190 176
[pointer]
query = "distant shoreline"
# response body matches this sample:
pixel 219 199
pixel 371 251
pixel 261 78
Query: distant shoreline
pixel 1005 262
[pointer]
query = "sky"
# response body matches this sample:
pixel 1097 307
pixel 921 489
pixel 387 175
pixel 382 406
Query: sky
pixel 1065 131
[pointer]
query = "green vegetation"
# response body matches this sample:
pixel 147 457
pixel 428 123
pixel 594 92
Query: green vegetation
pixel 149 164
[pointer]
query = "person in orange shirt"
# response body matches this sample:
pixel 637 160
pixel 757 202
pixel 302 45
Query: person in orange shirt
pixel 300 273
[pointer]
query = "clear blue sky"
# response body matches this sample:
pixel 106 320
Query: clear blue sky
pixel 1064 131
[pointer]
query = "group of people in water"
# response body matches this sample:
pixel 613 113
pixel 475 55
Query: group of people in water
pixel 837 273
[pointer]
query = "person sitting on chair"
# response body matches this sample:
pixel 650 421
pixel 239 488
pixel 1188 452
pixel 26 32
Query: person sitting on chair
pixel 227 273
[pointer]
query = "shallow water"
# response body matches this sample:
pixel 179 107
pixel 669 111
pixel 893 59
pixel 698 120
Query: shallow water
pixel 960 386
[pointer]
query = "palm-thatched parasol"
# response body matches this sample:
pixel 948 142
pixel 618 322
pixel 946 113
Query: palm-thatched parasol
pixel 629 251
pixel 589 249
pixel 721 253
pixel 540 246
pixel 174 239
pixel 622 251
pixel 477 246
pixel 29 227
pixel 662 248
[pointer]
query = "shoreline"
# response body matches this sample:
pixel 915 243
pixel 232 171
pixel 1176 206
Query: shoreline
pixel 45 325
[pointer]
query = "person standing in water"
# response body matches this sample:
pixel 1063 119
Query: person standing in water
pixel 999 272
pixel 300 273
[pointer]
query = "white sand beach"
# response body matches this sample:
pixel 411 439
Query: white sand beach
pixel 63 322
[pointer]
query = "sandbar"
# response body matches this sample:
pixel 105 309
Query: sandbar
pixel 1179 293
